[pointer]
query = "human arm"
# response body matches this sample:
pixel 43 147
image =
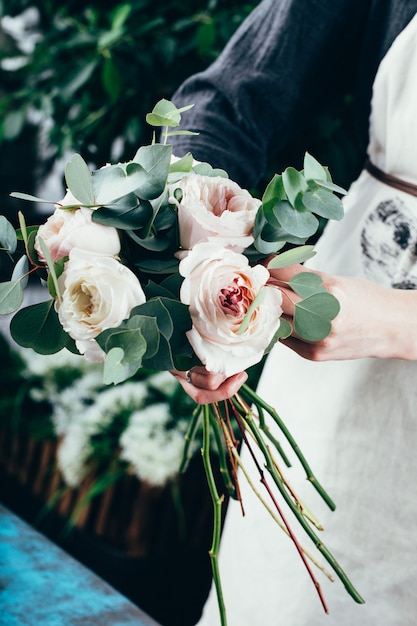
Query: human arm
pixel 374 321
pixel 286 61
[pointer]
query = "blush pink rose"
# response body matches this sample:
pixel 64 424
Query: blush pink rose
pixel 213 208
pixel 219 286
pixel 66 229
pixel 98 293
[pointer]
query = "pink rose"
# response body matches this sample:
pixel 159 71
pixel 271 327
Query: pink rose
pixel 213 208
pixel 66 229
pixel 98 293
pixel 219 287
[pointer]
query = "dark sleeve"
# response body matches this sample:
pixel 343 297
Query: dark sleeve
pixel 286 60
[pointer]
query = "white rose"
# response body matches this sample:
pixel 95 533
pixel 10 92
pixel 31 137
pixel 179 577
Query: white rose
pixel 219 287
pixel 98 293
pixel 66 229
pixel 213 208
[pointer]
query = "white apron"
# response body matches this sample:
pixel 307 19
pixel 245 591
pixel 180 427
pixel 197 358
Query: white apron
pixel 356 421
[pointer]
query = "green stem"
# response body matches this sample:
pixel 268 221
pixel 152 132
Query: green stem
pixel 224 470
pixel 302 521
pixel 189 438
pixel 274 441
pixel 217 509
pixel 259 402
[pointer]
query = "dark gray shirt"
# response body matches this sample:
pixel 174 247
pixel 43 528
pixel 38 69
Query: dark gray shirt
pixel 287 61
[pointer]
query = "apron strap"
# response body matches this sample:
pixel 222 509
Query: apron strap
pixel 390 180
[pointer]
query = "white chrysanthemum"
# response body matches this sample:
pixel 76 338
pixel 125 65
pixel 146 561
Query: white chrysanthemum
pixel 42 364
pixel 164 382
pixel 73 454
pixel 82 425
pixel 153 450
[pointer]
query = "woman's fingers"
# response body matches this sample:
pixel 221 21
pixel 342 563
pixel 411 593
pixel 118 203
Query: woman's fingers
pixel 207 387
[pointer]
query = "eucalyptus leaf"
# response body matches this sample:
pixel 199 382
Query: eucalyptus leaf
pixel 284 331
pixel 37 326
pixel 155 159
pixel 267 247
pixel 323 203
pixel 300 224
pixel 291 257
pixel 79 180
pixel 313 315
pixel 331 186
pixel 11 296
pixel 124 218
pixel 306 284
pixel 183 165
pixel 205 169
pixel 52 273
pixel 313 170
pixel 153 119
pixel 294 183
pixel 114 370
pixel 8 238
pixel 20 271
pixel 164 113
pixel 28 196
pixel 260 297
pixel 114 182
pixel 274 191
pixel 174 133
pixel 134 346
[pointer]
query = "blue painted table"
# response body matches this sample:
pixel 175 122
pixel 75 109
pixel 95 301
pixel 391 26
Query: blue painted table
pixel 42 585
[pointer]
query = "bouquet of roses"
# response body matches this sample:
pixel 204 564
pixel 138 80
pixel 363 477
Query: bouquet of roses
pixel 163 263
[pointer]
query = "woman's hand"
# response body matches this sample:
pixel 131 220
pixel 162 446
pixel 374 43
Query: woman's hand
pixel 206 387
pixel 373 321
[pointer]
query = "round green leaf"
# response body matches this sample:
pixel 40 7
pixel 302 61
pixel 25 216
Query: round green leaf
pixel 324 203
pixel 306 284
pixel 300 224
pixel 313 315
pixel 37 326
pixel 11 296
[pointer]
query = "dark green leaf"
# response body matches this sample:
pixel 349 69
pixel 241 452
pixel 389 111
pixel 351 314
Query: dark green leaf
pixel 274 191
pixel 37 326
pixel 125 217
pixel 155 159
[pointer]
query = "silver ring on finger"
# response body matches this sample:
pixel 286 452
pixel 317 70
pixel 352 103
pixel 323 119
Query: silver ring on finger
pixel 188 376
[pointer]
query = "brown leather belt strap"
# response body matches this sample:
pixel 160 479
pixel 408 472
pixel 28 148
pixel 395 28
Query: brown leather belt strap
pixel 390 180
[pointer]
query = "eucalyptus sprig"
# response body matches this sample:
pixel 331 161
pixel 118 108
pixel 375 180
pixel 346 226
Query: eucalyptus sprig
pixel 291 203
